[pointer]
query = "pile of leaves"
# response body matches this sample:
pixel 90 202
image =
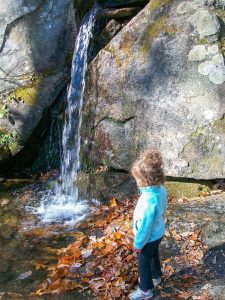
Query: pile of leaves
pixel 102 261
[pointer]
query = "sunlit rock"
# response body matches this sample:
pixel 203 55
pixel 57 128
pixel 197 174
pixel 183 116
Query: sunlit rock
pixel 147 88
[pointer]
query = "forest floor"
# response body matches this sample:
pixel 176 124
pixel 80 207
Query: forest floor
pixel 102 264
pixel 95 260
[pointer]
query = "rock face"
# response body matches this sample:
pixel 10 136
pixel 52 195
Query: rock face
pixel 160 83
pixel 206 217
pixel 36 43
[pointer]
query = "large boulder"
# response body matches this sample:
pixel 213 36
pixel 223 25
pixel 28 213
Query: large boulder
pixel 36 45
pixel 160 83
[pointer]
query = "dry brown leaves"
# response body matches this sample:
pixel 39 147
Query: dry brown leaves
pixel 103 260
pixel 191 247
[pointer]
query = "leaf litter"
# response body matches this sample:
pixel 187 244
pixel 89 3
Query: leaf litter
pixel 102 261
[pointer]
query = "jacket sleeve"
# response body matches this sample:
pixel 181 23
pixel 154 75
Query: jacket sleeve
pixel 144 224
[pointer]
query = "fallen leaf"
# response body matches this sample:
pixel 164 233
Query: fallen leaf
pixel 117 235
pixel 184 295
pixel 165 295
pixel 113 202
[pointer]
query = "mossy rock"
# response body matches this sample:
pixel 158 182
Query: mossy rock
pixel 29 93
pixel 186 189
pixel 156 4
pixel 155 29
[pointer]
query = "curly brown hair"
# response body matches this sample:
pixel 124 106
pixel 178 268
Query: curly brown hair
pixel 148 169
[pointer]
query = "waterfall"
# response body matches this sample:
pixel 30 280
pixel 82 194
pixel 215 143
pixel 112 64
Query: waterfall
pixel 64 202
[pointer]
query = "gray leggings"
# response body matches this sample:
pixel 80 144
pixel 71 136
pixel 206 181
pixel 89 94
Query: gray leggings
pixel 149 265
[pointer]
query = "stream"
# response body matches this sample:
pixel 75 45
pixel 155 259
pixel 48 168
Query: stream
pixel 27 246
pixel 36 220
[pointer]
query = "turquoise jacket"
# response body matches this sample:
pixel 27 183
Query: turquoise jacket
pixel 149 215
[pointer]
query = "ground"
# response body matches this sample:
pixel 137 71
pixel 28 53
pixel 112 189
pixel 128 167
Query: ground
pixel 102 261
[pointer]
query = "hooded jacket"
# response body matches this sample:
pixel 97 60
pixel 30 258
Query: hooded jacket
pixel 149 215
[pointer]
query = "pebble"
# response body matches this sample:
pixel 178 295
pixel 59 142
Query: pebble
pixel 5 202
pixel 24 275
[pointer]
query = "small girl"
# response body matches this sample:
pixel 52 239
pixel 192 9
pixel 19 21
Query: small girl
pixel 149 221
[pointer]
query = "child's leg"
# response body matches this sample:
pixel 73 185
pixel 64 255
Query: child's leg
pixel 144 267
pixel 144 264
pixel 156 265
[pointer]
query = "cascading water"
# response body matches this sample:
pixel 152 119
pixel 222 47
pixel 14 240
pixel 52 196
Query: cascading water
pixel 64 199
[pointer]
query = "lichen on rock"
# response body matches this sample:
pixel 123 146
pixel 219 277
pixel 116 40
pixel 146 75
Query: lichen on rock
pixel 206 24
pixel 153 63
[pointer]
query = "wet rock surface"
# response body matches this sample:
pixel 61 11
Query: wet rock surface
pixel 36 44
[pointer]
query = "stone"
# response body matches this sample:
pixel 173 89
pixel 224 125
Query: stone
pixel 10 219
pixel 216 3
pixel 106 185
pixel 4 202
pixel 142 91
pixel 205 215
pixel 36 41
pixel 186 189
pixel 111 29
pixel 6 231
pixel 214 68
pixel 217 289
pixel 217 74
pixel 213 49
pixel 119 3
pixel 206 24
pixel 187 7
pixel 205 68
pixel 118 13
pixel 24 275
pixel 197 53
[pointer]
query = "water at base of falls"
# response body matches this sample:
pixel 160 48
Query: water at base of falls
pixel 64 208
pixel 62 202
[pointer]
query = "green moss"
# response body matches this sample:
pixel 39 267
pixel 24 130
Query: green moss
pixel 29 93
pixel 155 4
pixel 200 152
pixel 220 13
pixel 8 140
pixel 154 30
pixel 196 133
pixel 86 162
pixel 213 163
pixel 203 41
pixel 186 189
pixel 128 109
pixel 220 125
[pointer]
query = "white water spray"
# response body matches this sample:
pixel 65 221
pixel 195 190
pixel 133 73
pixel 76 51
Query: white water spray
pixel 64 201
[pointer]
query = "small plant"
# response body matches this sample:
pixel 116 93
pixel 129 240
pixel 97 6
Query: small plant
pixel 7 139
pixel 3 111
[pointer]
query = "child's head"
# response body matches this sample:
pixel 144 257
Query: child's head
pixel 148 169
